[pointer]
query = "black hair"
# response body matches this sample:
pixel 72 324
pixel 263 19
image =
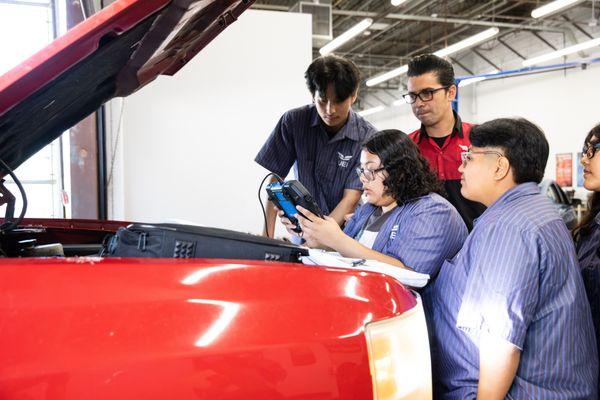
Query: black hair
pixel 584 228
pixel 409 175
pixel 425 63
pixel 522 142
pixel 342 73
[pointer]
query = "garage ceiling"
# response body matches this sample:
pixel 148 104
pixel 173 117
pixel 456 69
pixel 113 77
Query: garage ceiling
pixel 419 26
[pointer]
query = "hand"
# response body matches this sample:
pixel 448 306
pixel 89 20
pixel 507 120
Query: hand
pixel 319 232
pixel 287 224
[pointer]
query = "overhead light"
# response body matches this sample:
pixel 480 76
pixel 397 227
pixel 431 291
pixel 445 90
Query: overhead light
pixel 387 76
pixel 463 44
pixel 398 2
pixel 468 42
pixel 346 36
pixel 370 111
pixel 469 81
pixel 563 52
pixel 400 102
pixel 552 7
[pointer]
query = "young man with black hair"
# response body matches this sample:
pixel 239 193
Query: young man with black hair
pixel 322 141
pixel 442 136
pixel 510 312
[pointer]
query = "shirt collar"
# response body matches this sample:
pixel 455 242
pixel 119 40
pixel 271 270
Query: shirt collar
pixel 349 130
pixel 521 190
pixel 597 219
pixel 456 130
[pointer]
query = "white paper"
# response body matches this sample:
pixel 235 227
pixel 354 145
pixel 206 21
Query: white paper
pixel 335 260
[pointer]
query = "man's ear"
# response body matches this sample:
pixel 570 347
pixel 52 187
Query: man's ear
pixel 502 169
pixel 354 96
pixel 452 92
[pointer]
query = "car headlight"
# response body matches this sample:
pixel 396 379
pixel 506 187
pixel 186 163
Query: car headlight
pixel 399 356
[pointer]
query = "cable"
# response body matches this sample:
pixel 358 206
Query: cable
pixel 262 206
pixel 9 226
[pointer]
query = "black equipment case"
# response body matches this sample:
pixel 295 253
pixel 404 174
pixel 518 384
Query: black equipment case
pixel 187 241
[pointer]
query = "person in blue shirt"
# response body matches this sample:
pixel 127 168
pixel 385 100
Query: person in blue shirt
pixel 404 221
pixel 509 310
pixel 321 141
pixel 587 233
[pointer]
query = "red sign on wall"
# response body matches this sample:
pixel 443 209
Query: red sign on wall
pixel 564 169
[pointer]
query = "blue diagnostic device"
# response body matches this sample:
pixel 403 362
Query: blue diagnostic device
pixel 287 195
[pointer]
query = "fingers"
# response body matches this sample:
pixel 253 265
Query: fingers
pixel 307 213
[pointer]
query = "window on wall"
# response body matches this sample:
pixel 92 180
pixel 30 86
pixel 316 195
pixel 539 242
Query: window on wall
pixel 25 28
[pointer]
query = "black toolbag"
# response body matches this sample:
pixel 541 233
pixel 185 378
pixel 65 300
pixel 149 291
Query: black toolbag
pixel 187 241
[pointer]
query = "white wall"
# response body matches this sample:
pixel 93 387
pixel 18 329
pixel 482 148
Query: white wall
pixel 564 104
pixel 188 142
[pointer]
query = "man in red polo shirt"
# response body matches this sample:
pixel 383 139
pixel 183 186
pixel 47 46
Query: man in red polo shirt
pixel 442 136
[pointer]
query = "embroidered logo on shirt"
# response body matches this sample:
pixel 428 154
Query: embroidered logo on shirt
pixel 394 231
pixel 344 160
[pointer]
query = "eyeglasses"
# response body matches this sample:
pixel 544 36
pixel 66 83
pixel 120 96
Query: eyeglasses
pixel 424 95
pixel 589 150
pixel 467 156
pixel 368 173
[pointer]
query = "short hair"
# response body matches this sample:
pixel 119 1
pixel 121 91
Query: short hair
pixel 425 63
pixel 523 143
pixel 409 175
pixel 342 73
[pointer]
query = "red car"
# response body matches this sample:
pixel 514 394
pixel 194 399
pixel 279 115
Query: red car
pixel 90 327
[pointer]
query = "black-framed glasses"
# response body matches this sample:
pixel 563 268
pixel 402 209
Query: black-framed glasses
pixel 589 150
pixel 368 173
pixel 424 95
pixel 467 156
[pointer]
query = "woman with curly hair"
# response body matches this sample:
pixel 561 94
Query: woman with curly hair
pixel 587 233
pixel 404 222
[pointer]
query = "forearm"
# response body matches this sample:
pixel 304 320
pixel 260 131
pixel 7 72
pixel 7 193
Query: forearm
pixel 345 206
pixel 498 363
pixel 271 210
pixel 351 248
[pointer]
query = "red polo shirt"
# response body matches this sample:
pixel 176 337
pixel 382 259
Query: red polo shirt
pixel 445 160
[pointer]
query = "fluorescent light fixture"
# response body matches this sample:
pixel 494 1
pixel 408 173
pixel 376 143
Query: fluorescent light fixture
pixel 370 111
pixel 468 42
pixel 400 102
pixel 387 76
pixel 463 44
pixel 398 2
pixel 552 7
pixel 346 36
pixel 560 53
pixel 469 81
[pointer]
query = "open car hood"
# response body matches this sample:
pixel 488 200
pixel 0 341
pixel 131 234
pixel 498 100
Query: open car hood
pixel 112 54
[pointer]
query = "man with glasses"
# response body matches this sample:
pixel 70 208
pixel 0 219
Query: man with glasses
pixel 321 140
pixel 442 136
pixel 509 310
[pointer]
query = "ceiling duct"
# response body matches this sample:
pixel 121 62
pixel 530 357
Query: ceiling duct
pixel 321 19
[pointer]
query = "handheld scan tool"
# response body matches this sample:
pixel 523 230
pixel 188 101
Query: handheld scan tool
pixel 289 194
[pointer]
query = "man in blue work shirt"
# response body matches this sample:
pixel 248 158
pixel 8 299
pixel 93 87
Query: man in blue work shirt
pixel 510 314
pixel 322 140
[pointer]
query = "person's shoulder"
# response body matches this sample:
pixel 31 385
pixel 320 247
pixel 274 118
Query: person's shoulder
pixel 414 135
pixel 365 128
pixel 299 112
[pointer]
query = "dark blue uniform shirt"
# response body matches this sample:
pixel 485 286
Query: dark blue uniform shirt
pixel 518 279
pixel 325 166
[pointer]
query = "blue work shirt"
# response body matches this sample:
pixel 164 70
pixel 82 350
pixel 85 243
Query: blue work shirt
pixel 517 278
pixel 421 233
pixel 324 166
pixel 588 249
